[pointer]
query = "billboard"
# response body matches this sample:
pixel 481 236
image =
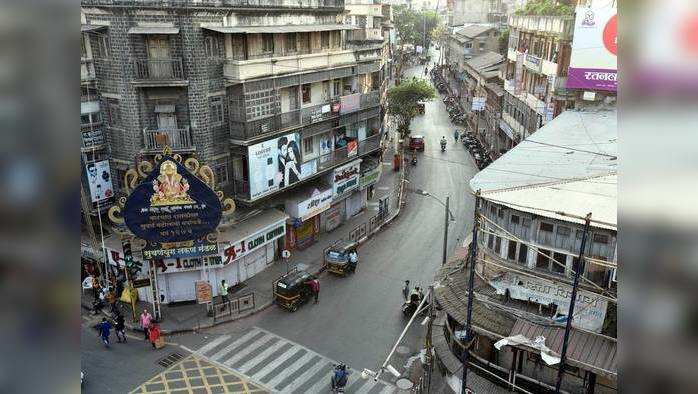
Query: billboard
pixel 276 164
pixel 346 178
pixel 593 64
pixel 172 209
pixel 99 180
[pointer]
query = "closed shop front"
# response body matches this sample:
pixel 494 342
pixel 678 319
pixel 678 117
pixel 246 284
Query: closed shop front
pixel 179 286
pixel 333 217
pixel 305 210
pixel 356 202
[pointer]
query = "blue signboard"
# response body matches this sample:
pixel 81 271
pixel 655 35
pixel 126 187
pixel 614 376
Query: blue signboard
pixel 172 205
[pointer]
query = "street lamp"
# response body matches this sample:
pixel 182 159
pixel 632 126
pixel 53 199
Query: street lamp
pixel 447 214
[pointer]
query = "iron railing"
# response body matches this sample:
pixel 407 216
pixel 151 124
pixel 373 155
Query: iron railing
pixel 158 69
pixel 87 69
pixel 177 139
pixel 233 306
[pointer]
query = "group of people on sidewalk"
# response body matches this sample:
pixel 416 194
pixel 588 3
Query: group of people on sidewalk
pixel 150 328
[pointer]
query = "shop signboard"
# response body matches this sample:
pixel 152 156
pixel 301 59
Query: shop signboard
pixel 345 178
pixel 370 177
pixel 589 311
pixel 204 292
pixel 352 148
pixel 185 249
pixel 518 74
pixel 191 264
pixel 99 180
pixel 274 165
pixel 317 203
pixel 243 247
pixel 593 62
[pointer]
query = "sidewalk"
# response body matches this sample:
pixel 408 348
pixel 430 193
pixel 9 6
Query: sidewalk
pixel 192 317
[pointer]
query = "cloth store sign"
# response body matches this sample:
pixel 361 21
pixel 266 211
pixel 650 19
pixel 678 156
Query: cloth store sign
pixel 589 310
pixel 242 248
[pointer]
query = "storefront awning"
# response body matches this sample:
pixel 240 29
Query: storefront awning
pixel 278 29
pixel 153 30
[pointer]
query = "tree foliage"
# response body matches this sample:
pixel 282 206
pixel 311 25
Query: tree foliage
pixel 547 7
pixel 403 99
pixel 411 24
pixel 504 42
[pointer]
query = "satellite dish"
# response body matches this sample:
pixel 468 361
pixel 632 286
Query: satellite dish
pixel 404 384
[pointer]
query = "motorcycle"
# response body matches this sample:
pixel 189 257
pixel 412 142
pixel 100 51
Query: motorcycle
pixel 339 378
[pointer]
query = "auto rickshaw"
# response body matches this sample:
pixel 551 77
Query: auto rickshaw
pixel 337 259
pixel 291 291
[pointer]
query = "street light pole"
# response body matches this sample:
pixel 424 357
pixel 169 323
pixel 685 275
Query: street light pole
pixel 443 260
pixel 471 280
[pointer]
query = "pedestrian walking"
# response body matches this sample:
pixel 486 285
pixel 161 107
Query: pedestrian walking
pixel 315 288
pixel 154 334
pixel 104 329
pixel 223 291
pixel 406 291
pixel 146 320
pixel 120 328
pixel 455 135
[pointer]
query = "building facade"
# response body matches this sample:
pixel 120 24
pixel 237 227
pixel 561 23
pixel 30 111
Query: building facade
pixel 281 100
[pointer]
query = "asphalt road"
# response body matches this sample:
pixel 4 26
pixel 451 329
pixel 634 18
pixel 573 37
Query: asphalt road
pixel 358 318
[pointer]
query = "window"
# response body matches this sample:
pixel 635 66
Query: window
pixel 113 112
pixel 563 231
pixel 500 214
pixel 579 234
pixel 511 253
pixel 468 45
pixel 83 49
pixel 220 171
pixel 547 227
pixel 337 87
pixel 514 219
pixel 490 241
pixel 325 39
pixel 308 146
pixel 216 112
pixel 119 179
pixel 481 45
pixel 543 259
pixel 86 119
pixel 305 92
pixel 523 254
pixel 525 222
pixel 212 47
pixel 493 210
pixel 290 43
pixel 498 244
pixel 597 273
pixel 267 43
pixel 575 267
pixel 561 258
pixel 601 239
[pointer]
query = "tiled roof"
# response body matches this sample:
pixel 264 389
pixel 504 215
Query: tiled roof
pixel 473 31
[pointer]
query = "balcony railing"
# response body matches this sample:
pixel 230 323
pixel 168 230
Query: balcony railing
pixel 292 4
pixel 158 69
pixel 301 117
pixel 177 139
pixel 92 139
pixel 87 70
pixel 239 70
pixel 561 25
pixel 367 35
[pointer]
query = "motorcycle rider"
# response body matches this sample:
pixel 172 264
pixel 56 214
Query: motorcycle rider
pixel 443 143
pixel 340 376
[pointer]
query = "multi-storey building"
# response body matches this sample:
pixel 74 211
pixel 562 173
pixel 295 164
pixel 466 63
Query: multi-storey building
pixel 535 75
pixel 467 42
pixel 531 225
pixel 280 98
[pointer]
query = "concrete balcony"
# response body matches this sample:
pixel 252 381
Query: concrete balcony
pixel 155 140
pixel 561 26
pixel 159 72
pixel 92 139
pixel 367 35
pixel 240 4
pixel 240 70
pixel 549 68
pixel 87 70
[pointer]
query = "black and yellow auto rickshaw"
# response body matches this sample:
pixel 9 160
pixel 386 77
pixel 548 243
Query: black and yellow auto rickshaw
pixel 338 259
pixel 291 290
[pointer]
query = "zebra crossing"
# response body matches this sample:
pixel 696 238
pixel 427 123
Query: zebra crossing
pixel 281 365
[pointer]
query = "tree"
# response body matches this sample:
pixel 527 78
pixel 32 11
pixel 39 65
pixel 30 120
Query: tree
pixel 411 25
pixel 547 7
pixel 403 99
pixel 504 42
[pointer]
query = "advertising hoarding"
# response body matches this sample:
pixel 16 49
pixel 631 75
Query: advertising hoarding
pixel 593 64
pixel 317 203
pixel 346 178
pixel 275 164
pixel 99 180
pixel 172 206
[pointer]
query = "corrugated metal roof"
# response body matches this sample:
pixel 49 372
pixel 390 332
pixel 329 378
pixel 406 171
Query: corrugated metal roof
pixel 485 60
pixel 279 29
pixel 153 30
pixel 585 350
pixel 473 31
pixel 569 165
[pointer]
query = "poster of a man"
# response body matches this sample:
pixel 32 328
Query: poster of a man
pixel 99 180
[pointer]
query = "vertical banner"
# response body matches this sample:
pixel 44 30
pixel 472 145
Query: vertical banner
pixel 518 74
pixel 99 180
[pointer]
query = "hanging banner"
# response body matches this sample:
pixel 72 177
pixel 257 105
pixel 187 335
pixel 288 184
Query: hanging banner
pixel 99 180
pixel 275 164
pixel 172 206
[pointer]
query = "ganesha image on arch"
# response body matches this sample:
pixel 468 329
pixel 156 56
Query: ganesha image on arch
pixel 170 188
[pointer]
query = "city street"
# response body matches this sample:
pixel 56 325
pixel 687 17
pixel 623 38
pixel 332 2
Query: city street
pixel 358 318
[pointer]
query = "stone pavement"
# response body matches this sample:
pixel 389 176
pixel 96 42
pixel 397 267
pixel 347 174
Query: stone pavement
pixel 192 317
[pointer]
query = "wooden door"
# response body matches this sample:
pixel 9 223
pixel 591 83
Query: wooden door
pixel 159 62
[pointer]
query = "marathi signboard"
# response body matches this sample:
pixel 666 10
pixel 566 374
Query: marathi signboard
pixel 275 164
pixel 204 293
pixel 346 178
pixel 317 203
pixel 593 63
pixel 370 177
pixel 99 180
pixel 241 248
pixel 589 311
pixel 174 211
